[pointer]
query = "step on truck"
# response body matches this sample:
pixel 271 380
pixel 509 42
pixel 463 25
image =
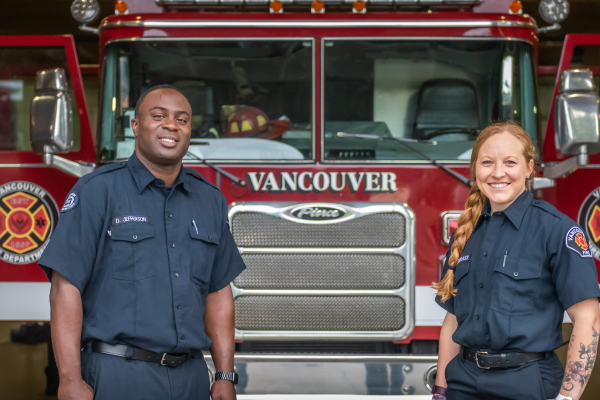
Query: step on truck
pixel 340 134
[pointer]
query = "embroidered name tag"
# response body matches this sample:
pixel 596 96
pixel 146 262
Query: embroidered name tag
pixel 129 218
pixel 575 241
pixel 464 258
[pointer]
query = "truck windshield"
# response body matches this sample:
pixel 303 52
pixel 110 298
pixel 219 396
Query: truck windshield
pixel 441 90
pixel 251 99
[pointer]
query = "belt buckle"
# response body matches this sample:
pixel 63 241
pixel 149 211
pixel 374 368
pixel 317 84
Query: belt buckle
pixel 477 353
pixel 165 365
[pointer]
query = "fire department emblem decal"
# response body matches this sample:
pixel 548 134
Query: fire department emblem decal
pixel 28 215
pixel 589 220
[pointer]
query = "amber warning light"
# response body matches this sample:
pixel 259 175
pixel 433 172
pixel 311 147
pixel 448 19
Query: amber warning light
pixel 317 7
pixel 276 7
pixel 121 8
pixel 359 7
pixel 515 7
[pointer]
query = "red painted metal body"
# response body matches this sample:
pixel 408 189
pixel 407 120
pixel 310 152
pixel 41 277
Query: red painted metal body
pixel 427 189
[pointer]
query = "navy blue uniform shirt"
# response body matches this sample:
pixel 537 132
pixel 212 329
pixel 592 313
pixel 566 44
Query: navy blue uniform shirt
pixel 518 273
pixel 144 258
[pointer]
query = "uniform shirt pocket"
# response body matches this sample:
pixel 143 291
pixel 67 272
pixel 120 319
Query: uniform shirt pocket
pixel 132 250
pixel 516 282
pixel 203 249
pixel 461 300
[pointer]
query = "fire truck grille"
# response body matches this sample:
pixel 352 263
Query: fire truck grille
pixel 319 313
pixel 322 271
pixel 253 229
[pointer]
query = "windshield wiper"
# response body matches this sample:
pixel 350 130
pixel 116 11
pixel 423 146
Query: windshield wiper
pixel 402 140
pixel 405 142
pixel 220 170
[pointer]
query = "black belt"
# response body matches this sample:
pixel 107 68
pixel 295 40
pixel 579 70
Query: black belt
pixel 485 360
pixel 120 350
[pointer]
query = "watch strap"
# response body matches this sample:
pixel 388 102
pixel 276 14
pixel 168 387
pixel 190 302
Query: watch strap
pixel 439 390
pixel 227 376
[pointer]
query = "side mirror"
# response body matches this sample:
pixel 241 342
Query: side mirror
pixel 51 113
pixel 576 113
pixel 576 124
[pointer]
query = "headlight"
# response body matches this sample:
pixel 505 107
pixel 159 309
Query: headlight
pixel 554 11
pixel 85 11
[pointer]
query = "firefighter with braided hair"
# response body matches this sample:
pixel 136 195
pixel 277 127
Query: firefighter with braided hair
pixel 514 265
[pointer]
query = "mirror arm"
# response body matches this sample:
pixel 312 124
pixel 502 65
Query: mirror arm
pixel 77 169
pixel 85 28
pixel 551 28
pixel 564 168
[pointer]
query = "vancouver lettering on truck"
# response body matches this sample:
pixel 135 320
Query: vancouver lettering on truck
pixel 340 134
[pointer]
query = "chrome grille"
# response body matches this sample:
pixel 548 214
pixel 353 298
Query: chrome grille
pixel 350 279
pixel 253 229
pixel 319 313
pixel 322 271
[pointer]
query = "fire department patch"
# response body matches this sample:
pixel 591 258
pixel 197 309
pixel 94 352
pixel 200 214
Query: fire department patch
pixel 575 241
pixel 589 220
pixel 28 215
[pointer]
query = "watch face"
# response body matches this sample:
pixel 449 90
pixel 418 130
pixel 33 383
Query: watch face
pixel 554 11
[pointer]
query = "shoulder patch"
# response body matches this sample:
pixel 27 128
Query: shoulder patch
pixel 575 241
pixel 71 202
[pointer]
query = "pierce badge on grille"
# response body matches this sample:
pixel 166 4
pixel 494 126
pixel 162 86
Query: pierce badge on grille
pixel 318 212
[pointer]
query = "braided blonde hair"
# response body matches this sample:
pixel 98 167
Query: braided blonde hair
pixel 476 201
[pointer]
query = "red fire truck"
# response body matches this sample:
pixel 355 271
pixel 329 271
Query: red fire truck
pixel 340 134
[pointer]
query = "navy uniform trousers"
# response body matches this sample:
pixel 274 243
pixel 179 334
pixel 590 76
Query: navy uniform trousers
pixel 115 378
pixel 534 381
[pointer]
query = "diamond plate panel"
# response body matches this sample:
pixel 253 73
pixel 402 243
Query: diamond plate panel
pixel 253 229
pixel 319 313
pixel 322 271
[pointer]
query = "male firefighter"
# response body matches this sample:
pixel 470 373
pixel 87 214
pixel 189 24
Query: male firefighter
pixel 140 265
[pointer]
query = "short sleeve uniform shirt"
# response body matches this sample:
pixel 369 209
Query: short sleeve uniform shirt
pixel 518 273
pixel 144 257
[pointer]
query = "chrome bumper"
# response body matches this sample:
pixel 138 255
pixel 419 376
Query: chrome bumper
pixel 332 376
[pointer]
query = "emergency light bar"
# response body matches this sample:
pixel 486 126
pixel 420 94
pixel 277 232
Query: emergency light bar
pixel 408 3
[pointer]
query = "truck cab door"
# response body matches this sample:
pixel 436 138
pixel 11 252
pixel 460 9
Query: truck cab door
pixel 30 190
pixel 578 194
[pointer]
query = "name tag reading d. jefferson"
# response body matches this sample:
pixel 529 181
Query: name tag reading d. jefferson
pixel 129 218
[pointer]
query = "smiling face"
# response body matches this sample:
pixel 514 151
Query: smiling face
pixel 501 170
pixel 162 127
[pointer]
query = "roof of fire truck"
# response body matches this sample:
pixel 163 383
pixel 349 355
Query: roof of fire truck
pixel 227 24
pixel 449 19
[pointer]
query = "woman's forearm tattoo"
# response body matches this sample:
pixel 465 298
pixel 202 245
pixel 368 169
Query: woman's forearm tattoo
pixel 579 371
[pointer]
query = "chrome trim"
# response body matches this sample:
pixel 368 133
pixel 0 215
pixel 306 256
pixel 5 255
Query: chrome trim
pixel 78 169
pixel 322 87
pixel 271 250
pixel 314 92
pixel 444 231
pixel 329 357
pixel 406 292
pixel 318 24
pixel 33 165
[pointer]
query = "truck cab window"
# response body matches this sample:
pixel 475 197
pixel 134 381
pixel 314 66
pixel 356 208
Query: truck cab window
pixel 18 68
pixel 439 90
pixel 251 99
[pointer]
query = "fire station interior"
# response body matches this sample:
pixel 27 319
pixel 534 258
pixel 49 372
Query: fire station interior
pixel 470 74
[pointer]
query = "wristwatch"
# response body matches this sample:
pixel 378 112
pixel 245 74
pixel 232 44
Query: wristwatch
pixel 439 390
pixel 561 397
pixel 227 376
